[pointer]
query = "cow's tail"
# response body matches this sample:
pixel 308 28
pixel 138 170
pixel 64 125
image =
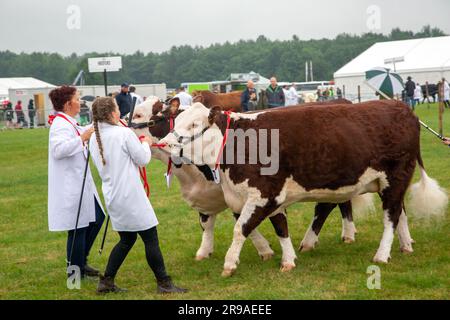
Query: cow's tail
pixel 427 198
pixel 363 204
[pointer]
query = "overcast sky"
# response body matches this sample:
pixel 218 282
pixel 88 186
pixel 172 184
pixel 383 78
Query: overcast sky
pixel 67 26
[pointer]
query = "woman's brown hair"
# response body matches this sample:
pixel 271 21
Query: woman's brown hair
pixel 60 96
pixel 102 110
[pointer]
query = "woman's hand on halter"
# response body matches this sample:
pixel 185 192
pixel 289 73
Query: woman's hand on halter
pixel 146 139
pixel 85 136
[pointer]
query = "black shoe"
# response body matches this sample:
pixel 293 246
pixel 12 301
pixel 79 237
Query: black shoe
pixel 91 272
pixel 106 285
pixel 167 286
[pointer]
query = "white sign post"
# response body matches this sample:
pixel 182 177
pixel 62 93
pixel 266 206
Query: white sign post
pixel 105 64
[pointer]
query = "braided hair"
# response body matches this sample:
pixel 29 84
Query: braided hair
pixel 102 110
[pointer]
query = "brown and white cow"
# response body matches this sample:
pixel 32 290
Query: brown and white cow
pixel 327 154
pixel 227 101
pixel 156 119
pixel 199 191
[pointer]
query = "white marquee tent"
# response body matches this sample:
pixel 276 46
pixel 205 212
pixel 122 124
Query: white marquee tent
pixel 24 89
pixel 426 59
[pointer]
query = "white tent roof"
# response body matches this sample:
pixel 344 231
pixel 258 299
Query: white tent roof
pixel 21 83
pixel 427 54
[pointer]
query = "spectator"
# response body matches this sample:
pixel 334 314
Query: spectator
pixel 417 94
pixel 19 113
pixel 174 105
pixel 249 99
pixel 31 112
pixel 185 98
pixel 326 94
pixel 286 94
pixel 410 88
pixel 319 94
pixel 292 96
pixel 275 94
pixel 446 93
pixel 124 100
pixel 331 93
pixel 426 92
pixel 339 93
pixel 9 115
pixel 133 94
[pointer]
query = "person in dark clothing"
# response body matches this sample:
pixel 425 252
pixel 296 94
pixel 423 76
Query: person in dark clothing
pixel 410 87
pixel 31 112
pixel 426 92
pixel 275 94
pixel 249 98
pixel 9 115
pixel 124 100
pixel 339 93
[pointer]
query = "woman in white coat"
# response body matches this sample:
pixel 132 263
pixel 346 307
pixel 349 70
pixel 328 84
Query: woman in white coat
pixel 66 163
pixel 292 96
pixel 117 154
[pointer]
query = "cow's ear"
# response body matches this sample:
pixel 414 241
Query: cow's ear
pixel 214 113
pixel 157 107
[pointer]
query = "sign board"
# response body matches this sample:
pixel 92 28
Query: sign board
pixel 109 64
pixel 21 92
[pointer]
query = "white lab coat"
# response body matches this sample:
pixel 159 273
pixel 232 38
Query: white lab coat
pixel 286 97
pixel 418 93
pixel 185 98
pixel 66 163
pixel 292 97
pixel 125 198
pixel 446 91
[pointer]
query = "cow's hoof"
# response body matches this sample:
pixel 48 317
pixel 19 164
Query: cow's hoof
pixel 407 250
pixel 266 256
pixel 226 273
pixel 305 248
pixel 348 240
pixel 201 257
pixel 287 266
pixel 381 260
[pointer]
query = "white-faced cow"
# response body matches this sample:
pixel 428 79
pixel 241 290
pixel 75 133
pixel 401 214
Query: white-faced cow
pixel 327 154
pixel 205 196
pixel 197 186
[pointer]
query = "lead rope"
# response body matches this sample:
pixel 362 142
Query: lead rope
pixel 215 172
pixel 168 174
pixel 143 170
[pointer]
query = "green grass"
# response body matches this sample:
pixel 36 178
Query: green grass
pixel 32 259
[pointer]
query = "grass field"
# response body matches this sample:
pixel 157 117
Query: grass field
pixel 32 259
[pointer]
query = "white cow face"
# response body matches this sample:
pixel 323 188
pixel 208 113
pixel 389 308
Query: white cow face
pixel 194 137
pixel 143 113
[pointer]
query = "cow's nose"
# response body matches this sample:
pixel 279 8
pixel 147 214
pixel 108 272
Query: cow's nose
pixel 170 141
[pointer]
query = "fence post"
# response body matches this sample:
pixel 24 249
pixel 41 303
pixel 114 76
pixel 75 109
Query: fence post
pixel 343 91
pixel 441 107
pixel 359 94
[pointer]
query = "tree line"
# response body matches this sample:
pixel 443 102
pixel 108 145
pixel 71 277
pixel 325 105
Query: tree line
pixel 285 59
